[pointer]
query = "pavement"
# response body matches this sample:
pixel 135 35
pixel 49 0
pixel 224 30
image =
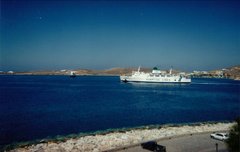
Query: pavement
pixel 186 143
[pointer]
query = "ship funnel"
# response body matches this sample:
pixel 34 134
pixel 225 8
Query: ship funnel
pixel 170 72
pixel 139 68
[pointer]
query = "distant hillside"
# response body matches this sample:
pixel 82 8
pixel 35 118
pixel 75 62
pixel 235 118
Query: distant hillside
pixel 112 71
pixel 233 72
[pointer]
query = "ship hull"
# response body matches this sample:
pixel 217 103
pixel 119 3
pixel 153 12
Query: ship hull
pixel 173 79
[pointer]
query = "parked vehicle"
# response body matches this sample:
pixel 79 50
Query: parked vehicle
pixel 153 146
pixel 219 136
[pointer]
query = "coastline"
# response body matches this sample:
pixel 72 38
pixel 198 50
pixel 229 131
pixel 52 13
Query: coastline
pixel 226 73
pixel 111 140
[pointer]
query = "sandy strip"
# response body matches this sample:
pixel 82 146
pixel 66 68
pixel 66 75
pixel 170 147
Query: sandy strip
pixel 96 143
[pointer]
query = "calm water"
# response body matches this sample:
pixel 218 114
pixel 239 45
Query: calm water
pixel 35 107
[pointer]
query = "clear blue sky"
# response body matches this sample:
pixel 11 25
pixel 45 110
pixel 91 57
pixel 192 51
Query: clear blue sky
pixel 47 34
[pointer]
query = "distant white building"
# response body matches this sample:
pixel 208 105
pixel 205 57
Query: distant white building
pixel 204 72
pixel 196 72
pixel 219 72
pixel 200 72
pixel 182 73
pixel 10 72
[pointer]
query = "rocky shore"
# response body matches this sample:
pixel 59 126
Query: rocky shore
pixel 114 140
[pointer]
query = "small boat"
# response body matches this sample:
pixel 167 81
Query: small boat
pixel 72 74
pixel 156 76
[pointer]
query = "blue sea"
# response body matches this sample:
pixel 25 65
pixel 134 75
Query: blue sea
pixel 36 107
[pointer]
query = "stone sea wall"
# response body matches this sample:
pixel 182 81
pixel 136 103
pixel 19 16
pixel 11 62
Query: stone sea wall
pixel 113 140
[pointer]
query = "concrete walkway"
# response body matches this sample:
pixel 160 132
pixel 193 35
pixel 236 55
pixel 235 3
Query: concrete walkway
pixel 188 143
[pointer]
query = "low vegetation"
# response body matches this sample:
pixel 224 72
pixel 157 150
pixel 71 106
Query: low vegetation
pixel 233 142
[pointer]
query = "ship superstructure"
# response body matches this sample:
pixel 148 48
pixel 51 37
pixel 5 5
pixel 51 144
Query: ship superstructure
pixel 156 76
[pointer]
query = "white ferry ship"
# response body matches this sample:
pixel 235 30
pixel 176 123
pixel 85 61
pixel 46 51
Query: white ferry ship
pixel 156 76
